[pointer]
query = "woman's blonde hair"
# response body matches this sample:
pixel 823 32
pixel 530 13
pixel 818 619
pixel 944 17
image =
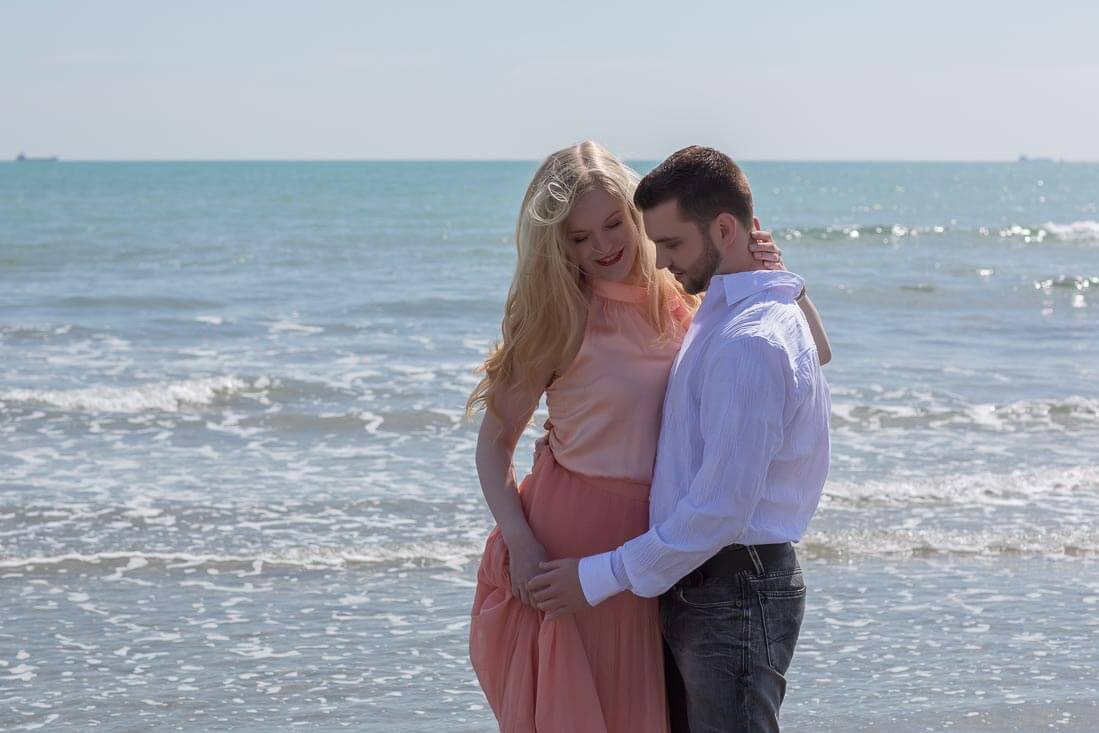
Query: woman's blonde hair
pixel 546 307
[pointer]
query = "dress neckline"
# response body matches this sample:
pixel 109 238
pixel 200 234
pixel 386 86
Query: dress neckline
pixel 619 291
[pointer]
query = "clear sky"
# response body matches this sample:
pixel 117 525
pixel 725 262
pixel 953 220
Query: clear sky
pixel 149 79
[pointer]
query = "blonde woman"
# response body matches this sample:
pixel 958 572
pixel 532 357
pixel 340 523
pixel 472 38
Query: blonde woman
pixel 592 324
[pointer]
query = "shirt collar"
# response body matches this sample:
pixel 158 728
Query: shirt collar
pixel 740 285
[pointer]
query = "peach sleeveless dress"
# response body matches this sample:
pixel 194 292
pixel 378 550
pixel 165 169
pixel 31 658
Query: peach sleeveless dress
pixel 602 670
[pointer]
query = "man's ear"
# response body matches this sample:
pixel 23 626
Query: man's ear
pixel 727 229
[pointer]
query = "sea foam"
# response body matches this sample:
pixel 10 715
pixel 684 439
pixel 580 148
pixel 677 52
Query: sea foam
pixel 1084 232
pixel 163 396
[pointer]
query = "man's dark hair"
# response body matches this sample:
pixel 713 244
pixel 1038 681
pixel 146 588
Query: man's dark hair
pixel 703 181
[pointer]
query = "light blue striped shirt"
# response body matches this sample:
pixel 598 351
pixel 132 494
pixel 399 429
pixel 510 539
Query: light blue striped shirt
pixel 744 448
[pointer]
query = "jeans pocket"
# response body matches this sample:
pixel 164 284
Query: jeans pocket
pixel 710 595
pixel 781 612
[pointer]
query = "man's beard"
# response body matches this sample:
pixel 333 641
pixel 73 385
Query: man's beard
pixel 697 277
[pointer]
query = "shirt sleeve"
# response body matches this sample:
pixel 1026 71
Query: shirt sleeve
pixel 742 400
pixel 602 576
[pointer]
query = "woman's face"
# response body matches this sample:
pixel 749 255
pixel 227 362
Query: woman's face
pixel 602 237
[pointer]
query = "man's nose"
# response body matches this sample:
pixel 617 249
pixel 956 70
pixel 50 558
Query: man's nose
pixel 661 259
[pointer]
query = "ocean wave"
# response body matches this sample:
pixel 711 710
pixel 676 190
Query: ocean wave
pixel 1067 282
pixel 161 396
pixel 935 542
pixel 1042 487
pixel 855 232
pixel 459 556
pixel 45 333
pixel 290 325
pixel 413 554
pixel 1065 412
pixel 415 305
pixel 1084 232
pixel 232 405
pixel 1048 512
pixel 395 422
pixel 137 302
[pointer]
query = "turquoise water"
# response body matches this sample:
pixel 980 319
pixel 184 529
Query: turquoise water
pixel 237 488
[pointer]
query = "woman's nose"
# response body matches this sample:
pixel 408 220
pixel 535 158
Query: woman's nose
pixel 602 243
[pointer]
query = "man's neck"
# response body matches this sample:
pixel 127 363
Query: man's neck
pixel 739 259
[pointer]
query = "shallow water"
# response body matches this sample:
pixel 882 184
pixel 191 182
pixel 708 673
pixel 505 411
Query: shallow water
pixel 183 643
pixel 237 488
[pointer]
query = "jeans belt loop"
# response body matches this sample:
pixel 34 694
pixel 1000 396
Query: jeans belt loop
pixel 756 562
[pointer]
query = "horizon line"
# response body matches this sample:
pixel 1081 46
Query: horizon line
pixel 59 159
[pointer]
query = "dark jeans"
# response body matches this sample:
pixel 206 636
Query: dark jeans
pixel 728 641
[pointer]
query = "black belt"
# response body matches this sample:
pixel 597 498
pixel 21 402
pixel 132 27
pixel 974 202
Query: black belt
pixel 733 559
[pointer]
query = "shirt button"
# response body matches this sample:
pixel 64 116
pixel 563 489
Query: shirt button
pixel 739 604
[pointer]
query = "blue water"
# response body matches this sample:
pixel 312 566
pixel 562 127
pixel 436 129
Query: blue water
pixel 237 488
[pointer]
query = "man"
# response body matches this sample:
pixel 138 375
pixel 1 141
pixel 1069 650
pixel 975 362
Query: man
pixel 741 462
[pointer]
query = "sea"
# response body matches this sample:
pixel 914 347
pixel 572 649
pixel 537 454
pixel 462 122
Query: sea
pixel 237 484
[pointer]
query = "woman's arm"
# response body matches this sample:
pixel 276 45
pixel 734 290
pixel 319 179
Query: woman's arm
pixel 816 327
pixel 764 249
pixel 500 431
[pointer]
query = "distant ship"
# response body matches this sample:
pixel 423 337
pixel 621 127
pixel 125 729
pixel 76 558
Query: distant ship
pixel 1028 159
pixel 24 159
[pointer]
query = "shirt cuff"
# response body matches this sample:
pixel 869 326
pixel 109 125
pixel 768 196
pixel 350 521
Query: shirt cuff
pixel 597 578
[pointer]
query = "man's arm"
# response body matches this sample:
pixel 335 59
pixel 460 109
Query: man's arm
pixel 742 401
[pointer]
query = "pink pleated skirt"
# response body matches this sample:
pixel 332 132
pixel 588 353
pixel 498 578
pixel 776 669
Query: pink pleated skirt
pixel 599 671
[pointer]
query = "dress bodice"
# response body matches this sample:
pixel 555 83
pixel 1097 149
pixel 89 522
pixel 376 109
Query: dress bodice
pixel 605 407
